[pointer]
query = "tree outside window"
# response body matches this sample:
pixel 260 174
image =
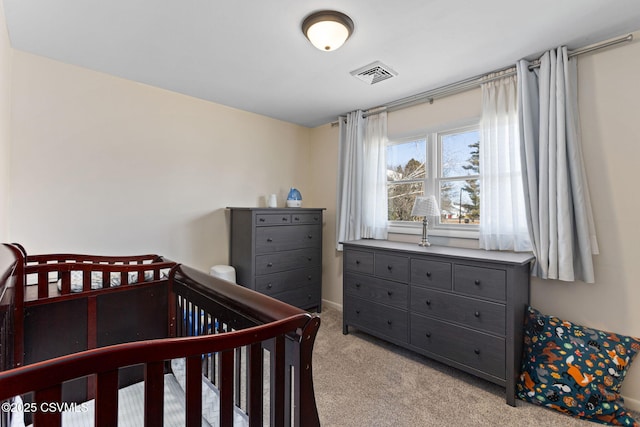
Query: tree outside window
pixel 454 160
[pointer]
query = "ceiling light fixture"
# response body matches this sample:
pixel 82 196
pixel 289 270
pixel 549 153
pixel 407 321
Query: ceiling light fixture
pixel 327 30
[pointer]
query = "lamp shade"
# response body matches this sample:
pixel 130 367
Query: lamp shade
pixel 425 206
pixel 327 30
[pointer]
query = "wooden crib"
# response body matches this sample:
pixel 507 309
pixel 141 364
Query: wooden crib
pixel 91 329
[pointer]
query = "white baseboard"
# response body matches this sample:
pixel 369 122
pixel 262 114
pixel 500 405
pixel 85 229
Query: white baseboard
pixel 332 304
pixel 632 404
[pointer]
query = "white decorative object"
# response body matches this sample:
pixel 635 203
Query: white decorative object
pixel 272 202
pixel 425 207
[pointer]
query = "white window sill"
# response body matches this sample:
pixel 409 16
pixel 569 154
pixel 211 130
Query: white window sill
pixel 416 229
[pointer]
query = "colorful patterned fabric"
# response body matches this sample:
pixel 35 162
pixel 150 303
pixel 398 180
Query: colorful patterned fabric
pixel 576 370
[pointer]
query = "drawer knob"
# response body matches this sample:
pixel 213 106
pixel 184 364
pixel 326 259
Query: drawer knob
pixel 389 293
pixel 357 311
pixel 309 277
pixel 428 274
pixel 428 334
pixel 389 267
pixel 477 314
pixel 269 286
pixel 357 285
pixel 269 264
pixel 389 322
pixel 309 258
pixel 309 236
pixel 261 220
pixel 357 262
pixel 428 302
pixel 476 351
pixel 284 218
pixel 269 239
pixel 315 218
pixel 296 219
pixel 477 282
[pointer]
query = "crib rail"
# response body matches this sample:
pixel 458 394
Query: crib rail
pixel 45 378
pixel 87 272
pixel 207 305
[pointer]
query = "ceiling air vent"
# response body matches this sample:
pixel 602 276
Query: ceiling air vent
pixel 374 73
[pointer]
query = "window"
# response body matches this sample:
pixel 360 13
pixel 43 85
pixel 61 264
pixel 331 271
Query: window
pixel 445 164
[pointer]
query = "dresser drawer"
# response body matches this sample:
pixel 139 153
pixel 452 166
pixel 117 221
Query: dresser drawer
pixel 275 239
pixel 435 274
pixel 483 315
pixel 377 290
pixel 273 219
pixel 279 282
pixel 301 297
pixel 392 267
pixel 358 261
pixel 306 218
pixel 288 260
pixel 376 318
pixel 484 282
pixel 477 350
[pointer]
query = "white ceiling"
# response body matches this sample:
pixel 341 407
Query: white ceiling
pixel 251 54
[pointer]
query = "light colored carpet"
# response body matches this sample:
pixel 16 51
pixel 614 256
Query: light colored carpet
pixel 361 381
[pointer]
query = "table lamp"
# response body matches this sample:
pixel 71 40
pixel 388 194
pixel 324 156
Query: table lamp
pixel 425 206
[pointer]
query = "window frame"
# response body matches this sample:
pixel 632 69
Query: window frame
pixel 433 178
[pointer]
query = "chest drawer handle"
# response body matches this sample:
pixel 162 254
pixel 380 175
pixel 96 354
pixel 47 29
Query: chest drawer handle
pixel 357 262
pixel 357 285
pixel 284 218
pixel 389 322
pixel 477 314
pixel 296 219
pixel 477 351
pixel 269 239
pixel 309 277
pixel 309 258
pixel 269 264
pixel 389 267
pixel 428 302
pixel 309 236
pixel 261 220
pixel 477 282
pixel 269 286
pixel 428 334
pixel 357 311
pixel 389 293
pixel 428 274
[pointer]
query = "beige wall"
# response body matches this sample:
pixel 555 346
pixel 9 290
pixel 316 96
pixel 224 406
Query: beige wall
pixel 105 165
pixel 609 94
pixel 5 123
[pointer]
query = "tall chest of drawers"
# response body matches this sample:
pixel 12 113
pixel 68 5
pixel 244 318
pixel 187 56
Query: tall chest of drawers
pixel 278 252
pixel 462 307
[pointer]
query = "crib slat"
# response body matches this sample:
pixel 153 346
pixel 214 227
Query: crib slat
pixel 106 402
pixel 193 397
pixel 47 417
pixel 278 382
pixel 226 388
pixel 153 394
pixel 256 373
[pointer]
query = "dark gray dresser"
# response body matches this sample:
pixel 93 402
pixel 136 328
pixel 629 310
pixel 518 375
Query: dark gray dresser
pixel 462 307
pixel 278 252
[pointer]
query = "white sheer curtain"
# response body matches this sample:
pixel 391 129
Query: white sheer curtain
pixel 503 223
pixel 361 195
pixel 557 201
pixel 374 203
